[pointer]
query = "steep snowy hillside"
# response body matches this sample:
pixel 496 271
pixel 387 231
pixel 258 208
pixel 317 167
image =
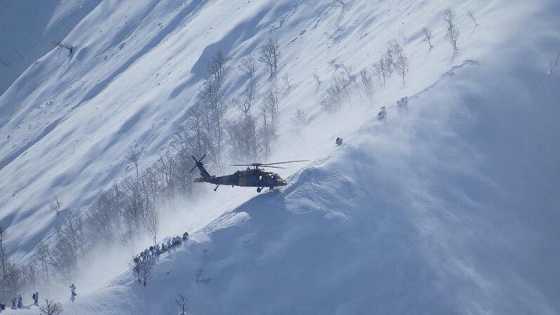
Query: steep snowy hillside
pixel 448 205
pixel 29 29
pixel 137 69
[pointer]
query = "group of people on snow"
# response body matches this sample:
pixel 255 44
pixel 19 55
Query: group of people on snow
pixel 382 114
pixel 17 302
pixel 154 251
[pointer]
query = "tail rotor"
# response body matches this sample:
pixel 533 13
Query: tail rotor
pixel 197 162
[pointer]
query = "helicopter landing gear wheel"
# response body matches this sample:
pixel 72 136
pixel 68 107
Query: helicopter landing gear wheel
pixel 259 190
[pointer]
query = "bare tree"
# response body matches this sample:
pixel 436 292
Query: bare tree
pixel 316 77
pixel 267 131
pixel 299 119
pixel 391 54
pixel 168 168
pixel 153 224
pixel 248 67
pixel 133 155
pixel 270 55
pixel 427 34
pixel 286 82
pixel 452 31
pixel 249 91
pixel 212 107
pixel 13 282
pixel 198 134
pixel 449 17
pixel 136 205
pixel 56 206
pixel 398 60
pixel 217 65
pixel 142 268
pixel 366 84
pixel 105 215
pixel 182 302
pixel 401 66
pixel 337 92
pixel 3 255
pixel 184 145
pixel 50 307
pixel 380 68
pixel 71 244
pixel 553 64
pixel 471 15
pixel 43 255
pixel 271 102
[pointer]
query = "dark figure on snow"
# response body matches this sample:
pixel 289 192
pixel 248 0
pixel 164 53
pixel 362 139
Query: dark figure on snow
pixel 382 113
pixel 185 235
pixel 2 306
pixel 20 302
pixel 35 297
pixel 73 292
pixel 177 241
pixel 338 141
pixel 403 102
pixel 14 303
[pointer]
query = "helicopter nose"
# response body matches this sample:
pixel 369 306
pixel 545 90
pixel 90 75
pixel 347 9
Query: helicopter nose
pixel 282 182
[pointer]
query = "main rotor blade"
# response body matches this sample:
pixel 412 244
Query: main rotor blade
pixel 285 162
pixel 257 165
pixel 269 164
pixel 275 167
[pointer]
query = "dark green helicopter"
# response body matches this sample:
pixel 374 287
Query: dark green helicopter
pixel 251 177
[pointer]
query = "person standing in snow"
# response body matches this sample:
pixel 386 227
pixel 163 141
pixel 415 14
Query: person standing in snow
pixel 338 141
pixel 20 302
pixel 35 297
pixel 382 113
pixel 73 292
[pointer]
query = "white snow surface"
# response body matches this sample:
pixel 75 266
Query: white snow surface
pixel 450 205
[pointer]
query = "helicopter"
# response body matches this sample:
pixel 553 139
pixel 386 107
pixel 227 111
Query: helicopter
pixel 251 177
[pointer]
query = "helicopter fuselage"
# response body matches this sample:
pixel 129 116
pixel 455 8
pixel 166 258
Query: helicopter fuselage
pixel 247 178
pixel 251 177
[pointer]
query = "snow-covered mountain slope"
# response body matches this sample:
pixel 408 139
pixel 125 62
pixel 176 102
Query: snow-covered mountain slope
pixel 449 205
pixel 29 29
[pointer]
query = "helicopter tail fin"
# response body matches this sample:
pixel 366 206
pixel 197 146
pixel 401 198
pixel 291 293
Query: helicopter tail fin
pixel 203 172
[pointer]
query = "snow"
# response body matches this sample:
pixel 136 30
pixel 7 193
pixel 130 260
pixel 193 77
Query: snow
pixel 449 205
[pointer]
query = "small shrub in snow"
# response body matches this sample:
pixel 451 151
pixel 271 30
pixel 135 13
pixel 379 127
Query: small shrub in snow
pixel 50 307
pixel 200 279
pixel 56 206
pixel 299 119
pixel 427 34
pixel 66 46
